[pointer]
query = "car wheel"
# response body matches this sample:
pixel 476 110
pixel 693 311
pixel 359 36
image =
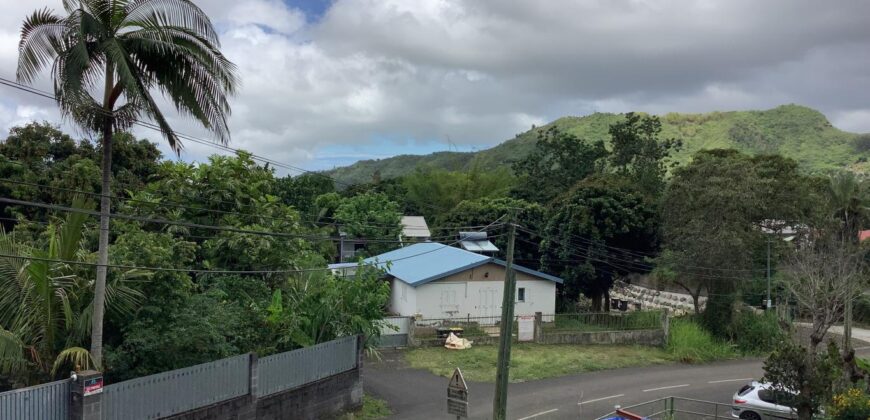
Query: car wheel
pixel 750 415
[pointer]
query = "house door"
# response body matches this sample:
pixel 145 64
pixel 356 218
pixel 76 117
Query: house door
pixel 488 304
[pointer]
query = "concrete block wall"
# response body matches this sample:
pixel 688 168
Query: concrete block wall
pixel 323 399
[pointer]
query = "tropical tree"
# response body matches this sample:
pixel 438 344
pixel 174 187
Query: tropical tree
pixel 126 50
pixel 601 229
pixel 558 161
pixel 847 200
pixel 638 154
pixel 370 216
pixel 46 306
pixel 712 214
pixel 847 195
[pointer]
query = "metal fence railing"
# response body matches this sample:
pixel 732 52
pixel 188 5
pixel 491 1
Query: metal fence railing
pixel 605 321
pixel 468 327
pixel 177 391
pixel 490 326
pixel 295 368
pixel 181 390
pixel 42 402
pixel 677 408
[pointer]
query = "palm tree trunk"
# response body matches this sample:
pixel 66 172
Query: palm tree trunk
pixel 105 210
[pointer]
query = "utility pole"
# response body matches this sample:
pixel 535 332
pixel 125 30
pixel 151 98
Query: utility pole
pixel 847 319
pixel 767 308
pixel 499 403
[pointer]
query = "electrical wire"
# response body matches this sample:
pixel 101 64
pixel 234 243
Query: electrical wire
pixel 194 225
pixel 627 252
pixel 218 145
pixel 220 271
pixel 216 211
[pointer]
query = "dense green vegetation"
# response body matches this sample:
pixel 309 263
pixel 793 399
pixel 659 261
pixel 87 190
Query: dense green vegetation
pixel 224 257
pixel 793 131
pixel 211 260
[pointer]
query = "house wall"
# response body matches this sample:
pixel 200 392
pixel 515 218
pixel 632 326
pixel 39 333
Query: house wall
pixel 478 293
pixel 403 298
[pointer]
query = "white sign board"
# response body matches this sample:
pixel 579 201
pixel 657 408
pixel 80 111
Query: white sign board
pixel 457 395
pixel 526 330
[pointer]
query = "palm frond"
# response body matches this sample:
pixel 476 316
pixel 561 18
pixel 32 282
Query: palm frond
pixel 71 231
pixel 12 358
pixel 180 13
pixel 75 358
pixel 12 273
pixel 189 71
pixel 42 36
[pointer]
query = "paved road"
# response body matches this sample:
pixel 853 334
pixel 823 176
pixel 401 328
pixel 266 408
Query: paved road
pixel 417 394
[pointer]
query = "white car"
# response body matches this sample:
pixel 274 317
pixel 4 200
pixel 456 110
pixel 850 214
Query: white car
pixel 757 401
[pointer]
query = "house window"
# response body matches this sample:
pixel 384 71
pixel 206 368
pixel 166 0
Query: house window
pixel 521 294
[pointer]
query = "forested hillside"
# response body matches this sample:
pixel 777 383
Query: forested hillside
pixel 793 131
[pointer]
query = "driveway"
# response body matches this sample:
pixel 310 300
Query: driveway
pixel 418 394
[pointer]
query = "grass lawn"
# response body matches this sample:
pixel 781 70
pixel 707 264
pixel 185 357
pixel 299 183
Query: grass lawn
pixel 372 409
pixel 534 361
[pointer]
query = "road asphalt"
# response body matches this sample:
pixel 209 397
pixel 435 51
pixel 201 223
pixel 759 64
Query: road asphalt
pixel 418 394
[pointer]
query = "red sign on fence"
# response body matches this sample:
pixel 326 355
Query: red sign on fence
pixel 93 386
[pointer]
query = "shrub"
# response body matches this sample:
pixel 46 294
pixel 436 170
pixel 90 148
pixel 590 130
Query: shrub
pixel 688 342
pixel 861 309
pixel 719 313
pixel 853 404
pixel 755 334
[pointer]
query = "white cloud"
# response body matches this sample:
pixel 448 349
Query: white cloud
pixel 478 72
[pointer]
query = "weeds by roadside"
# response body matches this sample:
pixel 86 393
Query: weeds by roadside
pixel 372 409
pixel 689 342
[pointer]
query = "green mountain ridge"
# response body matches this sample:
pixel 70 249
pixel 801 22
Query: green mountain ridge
pixel 795 131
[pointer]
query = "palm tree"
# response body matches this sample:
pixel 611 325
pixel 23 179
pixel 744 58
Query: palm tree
pixel 848 201
pixel 126 50
pixel 45 307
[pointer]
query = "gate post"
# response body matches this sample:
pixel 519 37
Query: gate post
pixel 250 413
pixel 412 322
pixel 666 326
pixel 539 333
pixel 86 399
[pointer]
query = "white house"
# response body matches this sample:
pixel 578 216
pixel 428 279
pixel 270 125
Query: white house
pixel 415 229
pixel 432 280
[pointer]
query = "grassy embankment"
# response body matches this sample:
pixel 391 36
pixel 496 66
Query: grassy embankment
pixel 688 343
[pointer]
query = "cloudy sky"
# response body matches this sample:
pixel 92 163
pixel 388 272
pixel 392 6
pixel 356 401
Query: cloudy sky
pixel 326 83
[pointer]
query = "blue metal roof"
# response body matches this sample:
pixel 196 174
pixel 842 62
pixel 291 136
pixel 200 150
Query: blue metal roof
pixel 424 262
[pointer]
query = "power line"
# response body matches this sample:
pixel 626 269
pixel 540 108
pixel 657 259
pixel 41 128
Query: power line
pixel 214 271
pixel 171 203
pixel 188 137
pixel 192 225
pixel 631 266
pixel 627 252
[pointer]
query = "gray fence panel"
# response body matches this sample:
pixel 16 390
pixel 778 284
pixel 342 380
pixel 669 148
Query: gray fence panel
pixel 42 402
pixel 177 391
pixel 395 325
pixel 394 332
pixel 293 369
pixel 393 340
